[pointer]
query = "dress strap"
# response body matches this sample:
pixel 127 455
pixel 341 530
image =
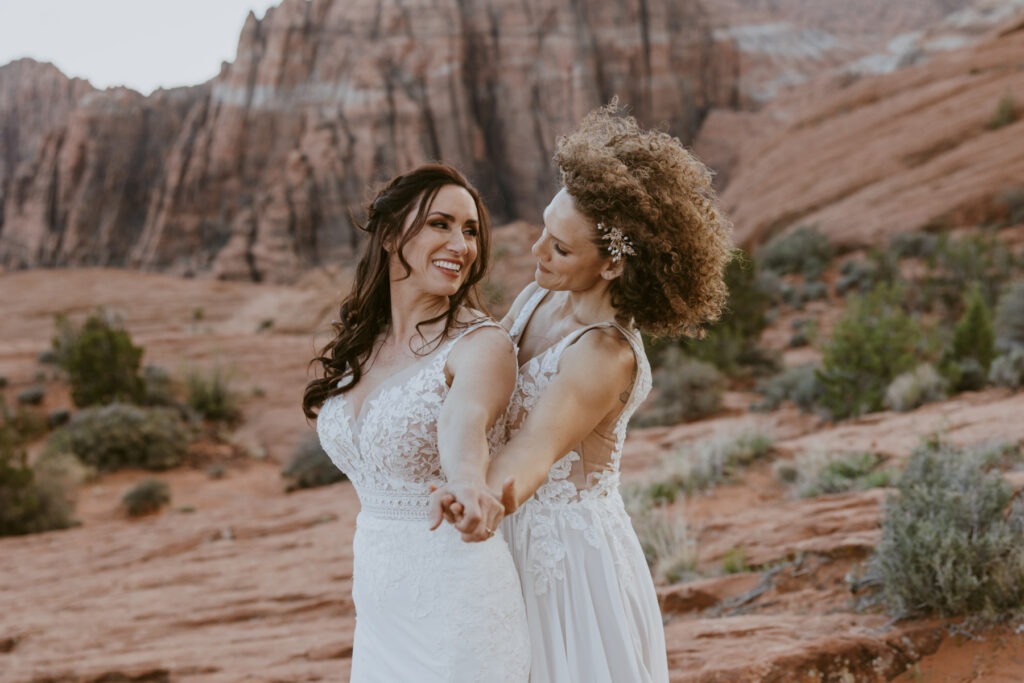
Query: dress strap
pixel 519 326
pixel 472 327
pixel 642 376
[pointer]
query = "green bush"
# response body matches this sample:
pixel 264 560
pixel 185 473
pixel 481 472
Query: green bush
pixel 874 342
pixel 818 474
pixel 28 503
pixel 32 396
pixel 803 250
pixel 146 497
pixel 951 544
pixel 957 264
pixel 212 397
pixel 800 384
pixel 120 435
pixel 1008 369
pixel 1005 113
pixel 310 466
pixel 913 389
pixel 735 561
pixel 686 389
pixel 1009 318
pixel 912 244
pixel 100 359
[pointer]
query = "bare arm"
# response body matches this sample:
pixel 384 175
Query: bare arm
pixel 592 376
pixel 483 371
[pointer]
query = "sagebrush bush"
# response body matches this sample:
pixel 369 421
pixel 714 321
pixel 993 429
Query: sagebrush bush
pixel 212 397
pixel 668 546
pixel 874 342
pixel 913 244
pixel 28 503
pixel 818 474
pixel 706 464
pixel 685 389
pixel 913 389
pixel 1009 317
pixel 157 387
pixel 951 544
pixel 310 466
pixel 958 263
pixel 1014 200
pixel 1008 369
pixel 100 359
pixel 121 435
pixel 146 497
pixel 804 250
pixel 800 384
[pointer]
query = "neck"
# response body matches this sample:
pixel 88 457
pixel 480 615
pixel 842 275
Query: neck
pixel 408 309
pixel 593 305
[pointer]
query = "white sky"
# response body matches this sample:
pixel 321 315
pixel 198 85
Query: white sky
pixel 144 44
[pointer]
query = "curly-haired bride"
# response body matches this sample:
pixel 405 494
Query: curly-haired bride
pixel 633 242
pixel 411 384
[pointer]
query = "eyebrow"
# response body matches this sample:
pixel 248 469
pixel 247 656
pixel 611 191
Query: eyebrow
pixel 450 218
pixel 557 238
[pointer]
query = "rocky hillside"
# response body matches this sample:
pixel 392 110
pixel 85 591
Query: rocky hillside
pixel 255 174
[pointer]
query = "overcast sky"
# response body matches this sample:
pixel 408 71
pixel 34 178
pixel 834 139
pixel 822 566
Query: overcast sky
pixel 144 44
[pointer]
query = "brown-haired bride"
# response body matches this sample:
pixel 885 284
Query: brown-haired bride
pixel 413 384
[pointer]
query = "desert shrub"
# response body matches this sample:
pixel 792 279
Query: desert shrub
pixel 157 387
pixel 880 267
pixel 212 397
pixel 1005 112
pixel 28 503
pixel 816 474
pixel 27 424
pixel 912 389
pixel 1013 198
pixel 146 497
pixel 100 359
pixel 668 546
pixel 686 389
pixel 32 396
pixel 707 464
pixel 912 244
pixel 803 250
pixel 3 382
pixel 120 435
pixel 805 330
pixel 1008 369
pixel 310 466
pixel 58 418
pixel 1009 317
pixel 958 263
pixel 951 544
pixel 799 384
pixel 735 561
pixel 965 364
pixel 873 343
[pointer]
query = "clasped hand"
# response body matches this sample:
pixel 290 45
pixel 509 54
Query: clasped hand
pixel 473 509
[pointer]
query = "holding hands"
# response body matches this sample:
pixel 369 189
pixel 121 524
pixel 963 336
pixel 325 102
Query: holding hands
pixel 473 509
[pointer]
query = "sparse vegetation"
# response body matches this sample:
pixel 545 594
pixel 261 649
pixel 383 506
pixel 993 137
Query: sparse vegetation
pixel 973 348
pixel 310 466
pixel 913 244
pixel 874 342
pixel 29 503
pixel 157 387
pixel 816 474
pixel 686 389
pixel 735 561
pixel 1009 318
pixel 804 250
pixel 100 359
pixel 951 543
pixel 799 384
pixel 1005 112
pixel 211 396
pixel 120 435
pixel 1013 198
pixel 1008 369
pixel 146 497
pixel 707 464
pixel 913 389
pixel 665 538
pixel 32 396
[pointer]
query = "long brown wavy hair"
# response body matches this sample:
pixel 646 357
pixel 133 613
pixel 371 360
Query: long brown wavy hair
pixel 366 312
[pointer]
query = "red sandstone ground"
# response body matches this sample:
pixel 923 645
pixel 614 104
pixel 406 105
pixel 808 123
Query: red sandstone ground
pixel 238 580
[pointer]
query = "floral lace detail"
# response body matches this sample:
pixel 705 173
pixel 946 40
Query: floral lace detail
pixel 596 511
pixel 392 458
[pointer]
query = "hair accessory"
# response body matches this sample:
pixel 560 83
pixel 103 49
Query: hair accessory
pixel 619 244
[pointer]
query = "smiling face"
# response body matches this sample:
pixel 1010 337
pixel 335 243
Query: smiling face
pixel 441 253
pixel 567 258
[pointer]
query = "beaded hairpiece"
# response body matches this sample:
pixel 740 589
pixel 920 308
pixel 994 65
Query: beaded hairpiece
pixel 619 244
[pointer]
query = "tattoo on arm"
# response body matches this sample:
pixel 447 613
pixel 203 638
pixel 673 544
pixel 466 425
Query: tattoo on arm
pixel 624 396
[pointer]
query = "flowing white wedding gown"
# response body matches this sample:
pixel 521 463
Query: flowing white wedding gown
pixel 590 603
pixel 429 607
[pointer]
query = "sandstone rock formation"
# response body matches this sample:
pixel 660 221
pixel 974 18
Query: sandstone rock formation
pixel 256 174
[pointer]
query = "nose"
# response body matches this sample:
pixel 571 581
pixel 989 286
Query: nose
pixel 538 246
pixel 457 242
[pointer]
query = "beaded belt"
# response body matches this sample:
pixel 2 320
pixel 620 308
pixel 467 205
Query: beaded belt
pixel 395 505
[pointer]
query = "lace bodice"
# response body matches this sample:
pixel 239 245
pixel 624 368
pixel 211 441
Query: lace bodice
pixel 535 375
pixel 389 451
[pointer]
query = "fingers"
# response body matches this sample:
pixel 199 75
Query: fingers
pixel 471 516
pixel 508 495
pixel 453 512
pixel 439 501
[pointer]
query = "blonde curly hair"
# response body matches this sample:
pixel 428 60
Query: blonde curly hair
pixel 659 195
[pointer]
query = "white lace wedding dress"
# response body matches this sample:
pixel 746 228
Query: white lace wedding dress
pixel 590 603
pixel 429 607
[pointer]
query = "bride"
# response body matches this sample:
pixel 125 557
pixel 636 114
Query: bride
pixel 633 242
pixel 412 383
